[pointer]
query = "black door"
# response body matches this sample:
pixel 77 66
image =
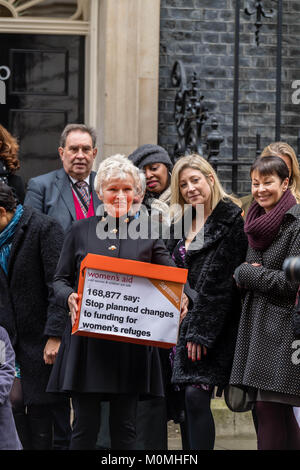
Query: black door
pixel 45 91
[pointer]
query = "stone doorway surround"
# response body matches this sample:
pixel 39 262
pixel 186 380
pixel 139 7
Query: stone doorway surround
pixel 122 63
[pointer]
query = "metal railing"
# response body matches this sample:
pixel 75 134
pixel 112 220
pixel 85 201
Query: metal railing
pixel 192 116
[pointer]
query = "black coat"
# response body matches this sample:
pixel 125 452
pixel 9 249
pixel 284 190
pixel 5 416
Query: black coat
pixel 16 183
pixel 213 319
pixel 27 309
pixel 107 367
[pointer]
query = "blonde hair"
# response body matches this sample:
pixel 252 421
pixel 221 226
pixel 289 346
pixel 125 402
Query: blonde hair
pixel 279 149
pixel 116 166
pixel 198 163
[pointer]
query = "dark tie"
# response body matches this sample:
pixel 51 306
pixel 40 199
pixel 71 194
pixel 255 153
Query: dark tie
pixel 84 198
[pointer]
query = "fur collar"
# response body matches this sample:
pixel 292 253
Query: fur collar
pixel 218 224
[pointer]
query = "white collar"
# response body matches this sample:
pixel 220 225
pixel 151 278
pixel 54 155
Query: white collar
pixel 87 180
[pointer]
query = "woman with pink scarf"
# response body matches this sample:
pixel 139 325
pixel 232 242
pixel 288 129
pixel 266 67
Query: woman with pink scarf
pixel 263 355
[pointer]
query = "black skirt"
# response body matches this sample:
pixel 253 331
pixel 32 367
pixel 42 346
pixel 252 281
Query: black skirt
pixel 94 365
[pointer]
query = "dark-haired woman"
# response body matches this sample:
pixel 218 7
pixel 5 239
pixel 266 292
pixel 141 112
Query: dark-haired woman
pixel 264 351
pixel 288 155
pixel 9 164
pixel 30 244
pixel 154 160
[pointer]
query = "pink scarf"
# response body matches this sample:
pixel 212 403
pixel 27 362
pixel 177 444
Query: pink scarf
pixel 262 227
pixel 79 214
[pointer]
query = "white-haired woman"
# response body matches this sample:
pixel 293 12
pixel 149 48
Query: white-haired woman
pixel 93 369
pixel 211 246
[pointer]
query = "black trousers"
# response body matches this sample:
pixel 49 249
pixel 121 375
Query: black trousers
pixel 61 418
pixel 152 425
pixel 87 421
pixel 41 427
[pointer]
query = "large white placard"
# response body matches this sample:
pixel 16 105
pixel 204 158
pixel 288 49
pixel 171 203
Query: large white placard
pixel 128 306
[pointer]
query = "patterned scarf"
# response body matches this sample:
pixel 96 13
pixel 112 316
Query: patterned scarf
pixel 6 237
pixel 262 227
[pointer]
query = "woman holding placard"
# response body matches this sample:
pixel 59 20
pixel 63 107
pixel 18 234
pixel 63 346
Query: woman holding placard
pixel 210 245
pixel 94 369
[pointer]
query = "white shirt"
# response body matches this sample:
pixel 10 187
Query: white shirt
pixel 87 180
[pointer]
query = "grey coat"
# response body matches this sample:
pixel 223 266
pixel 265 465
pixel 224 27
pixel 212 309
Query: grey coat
pixel 51 194
pixel 9 439
pixel 264 349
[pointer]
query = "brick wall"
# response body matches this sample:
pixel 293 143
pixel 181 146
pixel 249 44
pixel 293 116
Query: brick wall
pixel 200 33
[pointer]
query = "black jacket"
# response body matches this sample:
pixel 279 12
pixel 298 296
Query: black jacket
pixel 107 367
pixel 17 185
pixel 27 308
pixel 12 180
pixel 214 316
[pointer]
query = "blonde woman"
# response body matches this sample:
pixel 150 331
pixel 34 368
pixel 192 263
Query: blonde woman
pixel 211 247
pixel 287 154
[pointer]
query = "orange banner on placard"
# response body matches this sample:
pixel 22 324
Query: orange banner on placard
pixel 171 290
pixel 136 268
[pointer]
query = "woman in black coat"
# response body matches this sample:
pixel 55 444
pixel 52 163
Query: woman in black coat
pixel 30 244
pixel 211 245
pixel 9 164
pixel 94 369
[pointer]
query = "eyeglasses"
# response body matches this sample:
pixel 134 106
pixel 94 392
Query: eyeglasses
pixel 85 150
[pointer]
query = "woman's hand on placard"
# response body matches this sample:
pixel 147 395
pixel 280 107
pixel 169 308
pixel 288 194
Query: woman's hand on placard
pixel 73 306
pixel 195 351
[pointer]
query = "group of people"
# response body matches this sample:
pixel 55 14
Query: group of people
pixel 64 391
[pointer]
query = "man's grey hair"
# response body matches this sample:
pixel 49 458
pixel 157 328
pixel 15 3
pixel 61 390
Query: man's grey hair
pixel 77 127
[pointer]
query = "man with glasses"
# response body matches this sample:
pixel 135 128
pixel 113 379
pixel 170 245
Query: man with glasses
pixel 68 194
